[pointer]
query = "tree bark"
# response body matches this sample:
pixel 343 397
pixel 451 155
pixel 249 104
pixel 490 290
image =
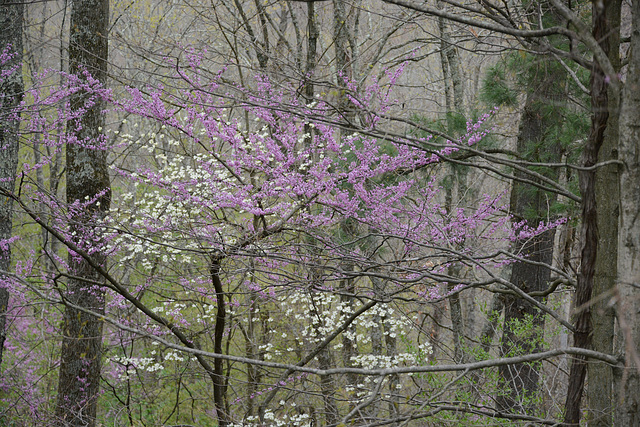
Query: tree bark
pixel 11 90
pixel 531 204
pixel 325 361
pixel 628 307
pixel 251 353
pixel 344 60
pixel 458 178
pixel 394 380
pixel 589 229
pixel 87 177
pixel 451 70
pixel 349 344
pixel 219 384
pixel 312 50
pixel 453 91
pixel 600 388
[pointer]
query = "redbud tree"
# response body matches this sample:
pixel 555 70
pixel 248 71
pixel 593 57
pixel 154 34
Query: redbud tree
pixel 262 263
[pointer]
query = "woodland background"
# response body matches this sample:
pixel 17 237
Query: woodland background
pixel 339 212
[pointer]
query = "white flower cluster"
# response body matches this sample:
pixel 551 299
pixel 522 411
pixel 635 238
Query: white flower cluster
pixel 210 312
pixel 373 361
pixel 273 420
pixel 132 363
pixel 323 312
pixel 172 355
pixel 173 310
pixel 266 348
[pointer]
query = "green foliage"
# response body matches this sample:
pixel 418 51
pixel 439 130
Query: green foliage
pixel 553 126
pixel 495 89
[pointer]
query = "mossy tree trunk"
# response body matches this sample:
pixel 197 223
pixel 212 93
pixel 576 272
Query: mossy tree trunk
pixel 87 180
pixel 11 90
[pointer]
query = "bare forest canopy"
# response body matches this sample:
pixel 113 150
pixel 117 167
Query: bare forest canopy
pixel 319 213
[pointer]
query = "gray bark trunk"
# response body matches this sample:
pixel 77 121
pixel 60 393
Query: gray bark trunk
pixel 325 361
pixel 589 216
pixel 532 204
pixel 444 61
pixel 250 351
pixel 349 345
pixel 458 181
pixel 600 387
pixel 451 71
pixel 11 90
pixel 87 175
pixel 628 405
pixel 453 89
pixel 491 326
pixel 341 41
pixel 457 323
pixel 344 60
pixel 392 350
pixel 372 411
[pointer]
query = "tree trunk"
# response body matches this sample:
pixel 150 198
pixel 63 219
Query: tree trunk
pixel 628 405
pixel 453 91
pixel 589 229
pixel 532 204
pixel 219 384
pixel 312 50
pixel 344 60
pixel 87 176
pixel 325 361
pixel 491 324
pixel 349 344
pixel 11 90
pixel 250 352
pixel 372 410
pixel 457 322
pixel 451 70
pixel 600 388
pixel 521 380
pixel 394 380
